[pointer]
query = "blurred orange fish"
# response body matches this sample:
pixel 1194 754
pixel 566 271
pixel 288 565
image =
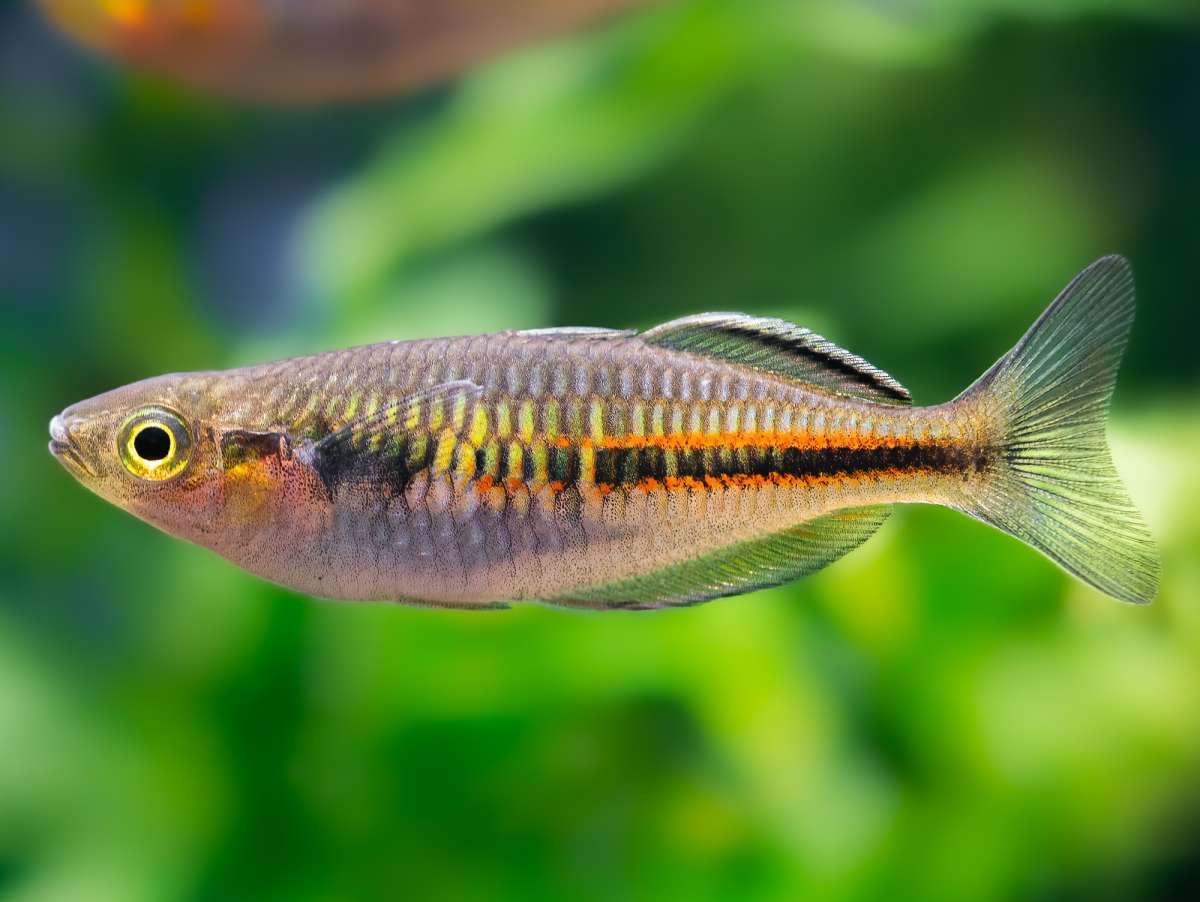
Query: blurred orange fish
pixel 306 51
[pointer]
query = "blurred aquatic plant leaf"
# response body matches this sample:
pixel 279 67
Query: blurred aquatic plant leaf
pixel 67 832
pixel 568 122
pixel 549 127
pixel 486 288
pixel 985 11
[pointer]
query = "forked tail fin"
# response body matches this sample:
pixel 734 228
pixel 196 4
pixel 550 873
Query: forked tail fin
pixel 1052 483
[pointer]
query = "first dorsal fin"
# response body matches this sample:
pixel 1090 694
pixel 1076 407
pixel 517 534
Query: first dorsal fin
pixel 577 332
pixel 780 347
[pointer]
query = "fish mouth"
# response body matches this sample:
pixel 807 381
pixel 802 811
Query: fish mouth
pixel 62 446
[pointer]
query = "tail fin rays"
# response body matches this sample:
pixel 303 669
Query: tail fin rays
pixel 1053 484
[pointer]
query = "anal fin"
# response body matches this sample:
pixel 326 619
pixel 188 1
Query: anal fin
pixel 756 564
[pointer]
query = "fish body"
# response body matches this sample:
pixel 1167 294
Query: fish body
pixel 705 457
pixel 314 50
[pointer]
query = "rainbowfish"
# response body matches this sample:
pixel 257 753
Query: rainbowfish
pixel 707 456
pixel 314 50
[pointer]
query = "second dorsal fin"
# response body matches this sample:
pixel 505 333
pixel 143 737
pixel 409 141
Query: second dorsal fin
pixel 780 347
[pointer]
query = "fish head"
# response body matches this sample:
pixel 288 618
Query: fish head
pixel 153 449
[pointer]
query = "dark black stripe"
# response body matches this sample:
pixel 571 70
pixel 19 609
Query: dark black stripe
pixel 562 464
pixel 619 466
pixel 502 461
pixel 395 464
pixel 608 465
pixel 688 462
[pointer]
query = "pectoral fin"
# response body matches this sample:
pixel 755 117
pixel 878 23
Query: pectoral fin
pixel 377 447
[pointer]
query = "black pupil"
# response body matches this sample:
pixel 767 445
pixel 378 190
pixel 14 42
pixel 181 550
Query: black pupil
pixel 152 443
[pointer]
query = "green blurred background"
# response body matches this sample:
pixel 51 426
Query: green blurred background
pixel 941 715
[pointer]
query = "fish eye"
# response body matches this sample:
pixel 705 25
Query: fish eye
pixel 152 443
pixel 155 444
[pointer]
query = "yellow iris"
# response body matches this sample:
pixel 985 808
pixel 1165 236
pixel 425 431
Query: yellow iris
pixel 155 444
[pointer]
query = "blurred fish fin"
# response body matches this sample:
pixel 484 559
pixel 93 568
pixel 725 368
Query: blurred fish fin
pixel 755 564
pixel 1053 484
pixel 779 347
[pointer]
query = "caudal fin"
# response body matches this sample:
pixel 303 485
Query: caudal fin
pixel 1053 484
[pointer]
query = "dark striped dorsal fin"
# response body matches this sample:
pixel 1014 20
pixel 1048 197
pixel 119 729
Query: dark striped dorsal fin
pixel 743 567
pixel 779 347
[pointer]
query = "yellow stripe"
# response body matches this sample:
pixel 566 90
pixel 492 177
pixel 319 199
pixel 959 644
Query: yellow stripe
pixel 491 459
pixel 587 462
pixel 596 420
pixel 503 420
pixel 465 467
pixel 637 419
pixel 445 451
pixel 459 415
pixel 516 461
pixel 541 463
pixel 525 421
pixel 418 448
pixel 479 426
